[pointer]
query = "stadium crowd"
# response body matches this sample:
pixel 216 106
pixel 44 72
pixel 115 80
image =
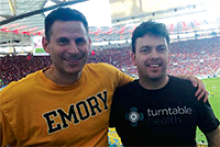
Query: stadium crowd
pixel 199 58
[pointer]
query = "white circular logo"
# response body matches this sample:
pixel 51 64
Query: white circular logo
pixel 134 117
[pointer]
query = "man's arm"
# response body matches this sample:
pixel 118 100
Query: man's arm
pixel 214 138
pixel 208 123
pixel 201 92
pixel 7 136
pixel 114 115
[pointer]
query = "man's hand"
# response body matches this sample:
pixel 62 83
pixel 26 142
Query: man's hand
pixel 201 92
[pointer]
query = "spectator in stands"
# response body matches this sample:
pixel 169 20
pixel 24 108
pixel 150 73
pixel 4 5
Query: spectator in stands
pixel 158 109
pixel 68 103
pixel 28 57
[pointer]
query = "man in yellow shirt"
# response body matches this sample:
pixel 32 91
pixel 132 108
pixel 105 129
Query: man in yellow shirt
pixel 68 103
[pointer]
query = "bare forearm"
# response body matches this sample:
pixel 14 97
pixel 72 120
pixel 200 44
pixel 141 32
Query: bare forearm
pixel 215 142
pixel 214 138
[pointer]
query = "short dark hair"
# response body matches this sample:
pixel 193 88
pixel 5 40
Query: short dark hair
pixel 63 14
pixel 149 28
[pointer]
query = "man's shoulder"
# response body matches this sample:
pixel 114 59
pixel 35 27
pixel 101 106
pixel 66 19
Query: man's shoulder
pixel 107 70
pixel 181 82
pixel 100 66
pixel 127 88
pixel 182 86
pixel 124 94
pixel 18 88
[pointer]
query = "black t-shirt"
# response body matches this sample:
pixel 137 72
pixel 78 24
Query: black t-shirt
pixel 165 117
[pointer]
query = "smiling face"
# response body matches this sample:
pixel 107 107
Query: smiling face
pixel 68 47
pixel 151 57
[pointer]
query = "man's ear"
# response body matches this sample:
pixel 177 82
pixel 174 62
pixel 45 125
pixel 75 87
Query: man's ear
pixel 89 44
pixel 169 59
pixel 45 44
pixel 169 56
pixel 133 57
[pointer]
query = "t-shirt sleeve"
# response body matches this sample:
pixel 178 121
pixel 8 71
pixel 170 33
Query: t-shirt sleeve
pixel 207 121
pixel 117 75
pixel 124 79
pixel 115 111
pixel 7 136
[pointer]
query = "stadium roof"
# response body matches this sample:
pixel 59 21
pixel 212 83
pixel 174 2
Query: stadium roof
pixel 20 19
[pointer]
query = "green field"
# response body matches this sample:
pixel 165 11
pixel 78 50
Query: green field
pixel 214 101
pixel 39 50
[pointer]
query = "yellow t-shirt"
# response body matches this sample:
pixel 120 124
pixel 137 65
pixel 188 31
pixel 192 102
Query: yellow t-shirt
pixel 35 111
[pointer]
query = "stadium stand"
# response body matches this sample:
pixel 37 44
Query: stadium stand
pixel 199 58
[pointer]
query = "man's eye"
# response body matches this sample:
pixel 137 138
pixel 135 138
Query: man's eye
pixel 161 49
pixel 63 41
pixel 145 50
pixel 80 41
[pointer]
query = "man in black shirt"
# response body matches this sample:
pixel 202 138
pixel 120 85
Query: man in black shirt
pixel 158 109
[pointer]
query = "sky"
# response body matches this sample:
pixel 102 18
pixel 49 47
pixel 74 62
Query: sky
pixel 97 12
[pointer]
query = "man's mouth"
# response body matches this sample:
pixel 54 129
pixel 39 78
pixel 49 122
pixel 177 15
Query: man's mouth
pixel 75 59
pixel 154 65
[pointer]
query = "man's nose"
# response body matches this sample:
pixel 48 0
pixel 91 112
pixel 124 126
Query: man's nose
pixel 73 49
pixel 154 54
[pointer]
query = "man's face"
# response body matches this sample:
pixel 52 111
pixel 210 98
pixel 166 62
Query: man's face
pixel 151 57
pixel 68 46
